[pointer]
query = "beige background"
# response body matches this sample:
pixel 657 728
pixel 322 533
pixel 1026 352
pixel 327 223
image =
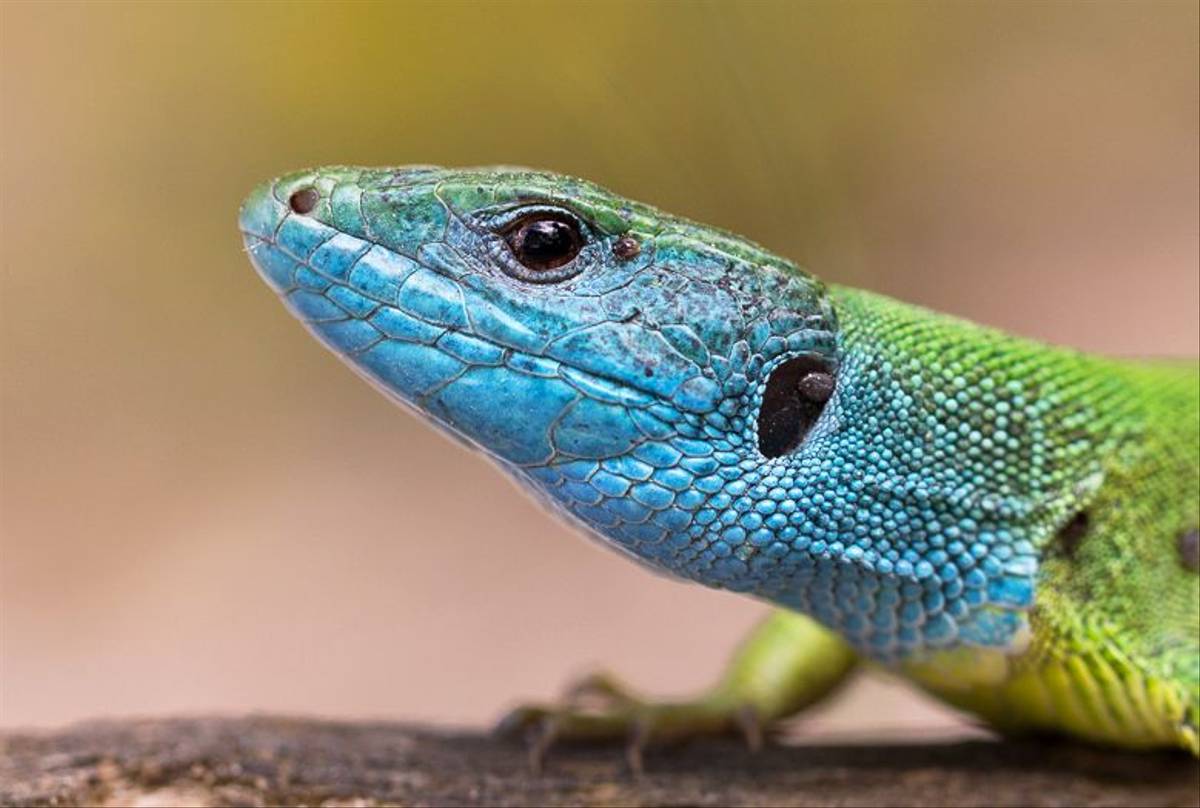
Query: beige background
pixel 203 511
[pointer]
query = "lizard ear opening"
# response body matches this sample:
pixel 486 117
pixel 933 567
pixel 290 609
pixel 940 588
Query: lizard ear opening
pixel 794 397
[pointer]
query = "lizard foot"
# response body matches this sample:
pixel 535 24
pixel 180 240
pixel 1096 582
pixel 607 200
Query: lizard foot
pixel 600 708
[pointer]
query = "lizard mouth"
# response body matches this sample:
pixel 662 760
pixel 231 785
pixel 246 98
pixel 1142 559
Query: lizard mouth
pixel 441 353
pixel 514 404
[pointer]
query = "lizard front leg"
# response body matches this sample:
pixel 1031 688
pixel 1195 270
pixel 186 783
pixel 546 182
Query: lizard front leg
pixel 788 663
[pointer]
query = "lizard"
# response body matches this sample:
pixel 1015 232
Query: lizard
pixel 1010 525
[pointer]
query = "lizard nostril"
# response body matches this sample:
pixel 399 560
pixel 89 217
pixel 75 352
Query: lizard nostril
pixel 303 201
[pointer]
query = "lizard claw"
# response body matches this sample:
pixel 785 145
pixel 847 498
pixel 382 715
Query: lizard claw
pixel 537 726
pixel 635 747
pixel 621 714
pixel 747 720
pixel 515 722
pixel 543 738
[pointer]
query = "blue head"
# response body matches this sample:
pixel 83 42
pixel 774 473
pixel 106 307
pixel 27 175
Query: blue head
pixel 612 356
pixel 682 393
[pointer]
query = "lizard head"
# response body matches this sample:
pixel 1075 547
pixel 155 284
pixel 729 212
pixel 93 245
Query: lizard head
pixel 627 364
pixel 684 394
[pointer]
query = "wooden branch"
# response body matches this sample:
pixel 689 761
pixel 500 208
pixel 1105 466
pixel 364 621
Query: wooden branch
pixel 269 761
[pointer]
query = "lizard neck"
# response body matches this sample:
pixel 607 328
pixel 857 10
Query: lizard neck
pixel 910 516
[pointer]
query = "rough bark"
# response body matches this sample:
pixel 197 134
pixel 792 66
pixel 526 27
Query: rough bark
pixel 258 761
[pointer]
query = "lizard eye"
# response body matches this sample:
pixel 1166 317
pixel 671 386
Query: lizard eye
pixel 544 245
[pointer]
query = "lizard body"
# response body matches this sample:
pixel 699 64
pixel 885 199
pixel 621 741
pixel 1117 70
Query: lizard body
pixel 1010 525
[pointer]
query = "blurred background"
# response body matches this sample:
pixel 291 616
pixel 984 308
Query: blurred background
pixel 204 511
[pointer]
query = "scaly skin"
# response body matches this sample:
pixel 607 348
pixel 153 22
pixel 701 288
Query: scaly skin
pixel 1009 524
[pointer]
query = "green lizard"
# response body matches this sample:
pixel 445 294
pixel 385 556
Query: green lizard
pixel 1011 526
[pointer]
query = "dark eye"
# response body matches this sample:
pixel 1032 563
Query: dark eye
pixel 543 244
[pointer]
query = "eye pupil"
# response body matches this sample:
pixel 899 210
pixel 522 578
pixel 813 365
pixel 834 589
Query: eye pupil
pixel 545 243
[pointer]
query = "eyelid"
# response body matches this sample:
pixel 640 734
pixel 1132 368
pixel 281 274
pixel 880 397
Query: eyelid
pixel 502 219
